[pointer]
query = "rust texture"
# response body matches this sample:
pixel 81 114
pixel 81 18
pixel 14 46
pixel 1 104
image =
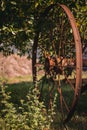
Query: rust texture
pixel 78 60
pixel 78 82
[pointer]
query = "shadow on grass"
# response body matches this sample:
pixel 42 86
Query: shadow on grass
pixel 19 91
pixel 79 119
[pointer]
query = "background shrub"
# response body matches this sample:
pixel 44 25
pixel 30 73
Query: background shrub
pixel 30 115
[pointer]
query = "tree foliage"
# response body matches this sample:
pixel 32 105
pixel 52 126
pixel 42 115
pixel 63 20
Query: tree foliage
pixel 19 21
pixel 16 24
pixel 81 18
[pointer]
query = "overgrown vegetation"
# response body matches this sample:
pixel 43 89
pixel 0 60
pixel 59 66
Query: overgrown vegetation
pixel 20 24
pixel 17 110
pixel 31 114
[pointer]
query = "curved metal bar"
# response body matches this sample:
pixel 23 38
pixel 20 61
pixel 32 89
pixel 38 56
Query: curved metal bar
pixel 78 55
pixel 78 60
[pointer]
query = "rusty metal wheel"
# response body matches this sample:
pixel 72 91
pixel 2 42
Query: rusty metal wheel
pixel 57 59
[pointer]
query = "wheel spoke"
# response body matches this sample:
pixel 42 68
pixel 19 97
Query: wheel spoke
pixel 61 100
pixel 68 80
pixel 67 108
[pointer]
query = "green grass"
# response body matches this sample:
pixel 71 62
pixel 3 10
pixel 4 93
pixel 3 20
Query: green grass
pixel 19 88
pixel 19 91
pixel 18 79
pixel 79 120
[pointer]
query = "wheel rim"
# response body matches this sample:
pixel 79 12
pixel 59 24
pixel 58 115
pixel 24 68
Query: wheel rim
pixel 78 61
pixel 78 74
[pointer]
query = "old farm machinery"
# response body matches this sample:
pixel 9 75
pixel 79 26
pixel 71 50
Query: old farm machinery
pixel 57 58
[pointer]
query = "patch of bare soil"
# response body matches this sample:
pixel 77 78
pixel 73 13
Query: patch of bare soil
pixel 14 65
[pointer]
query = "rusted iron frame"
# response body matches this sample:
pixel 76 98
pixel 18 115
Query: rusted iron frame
pixel 78 55
pixel 78 61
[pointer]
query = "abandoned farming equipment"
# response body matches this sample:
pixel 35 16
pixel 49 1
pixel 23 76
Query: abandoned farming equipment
pixel 57 59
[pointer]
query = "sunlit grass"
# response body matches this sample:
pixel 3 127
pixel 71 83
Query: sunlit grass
pixel 18 79
pixel 84 74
